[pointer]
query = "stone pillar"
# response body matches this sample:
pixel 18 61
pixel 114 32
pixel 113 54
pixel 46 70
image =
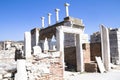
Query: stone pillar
pixel 60 44
pixel 67 10
pixel 49 19
pixel 57 15
pixel 45 46
pixel 60 39
pixel 21 70
pixel 35 37
pixel 53 43
pixel 79 53
pixel 27 44
pixel 105 47
pixel 42 19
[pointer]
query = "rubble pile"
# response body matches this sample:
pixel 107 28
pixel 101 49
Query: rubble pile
pixel 45 67
pixel 7 64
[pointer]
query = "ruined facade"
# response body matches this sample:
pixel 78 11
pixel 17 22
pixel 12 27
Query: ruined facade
pixel 114 35
pixel 69 39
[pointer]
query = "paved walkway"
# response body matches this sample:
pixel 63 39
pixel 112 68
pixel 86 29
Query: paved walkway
pixel 111 75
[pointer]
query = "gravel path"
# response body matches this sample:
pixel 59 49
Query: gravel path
pixel 111 75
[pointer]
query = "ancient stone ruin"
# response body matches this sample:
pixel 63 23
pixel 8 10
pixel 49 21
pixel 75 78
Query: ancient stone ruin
pixel 48 51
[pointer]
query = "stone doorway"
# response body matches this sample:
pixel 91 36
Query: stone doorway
pixel 60 45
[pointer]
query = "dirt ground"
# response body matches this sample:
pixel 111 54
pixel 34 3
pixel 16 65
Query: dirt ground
pixel 113 74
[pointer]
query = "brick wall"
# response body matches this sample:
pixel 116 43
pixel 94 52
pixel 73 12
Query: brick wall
pixel 86 51
pixel 95 50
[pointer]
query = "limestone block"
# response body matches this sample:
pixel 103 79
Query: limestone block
pixel 100 64
pixel 42 55
pixel 7 75
pixel 21 70
pixel 55 54
pixel 37 50
pixel 1 76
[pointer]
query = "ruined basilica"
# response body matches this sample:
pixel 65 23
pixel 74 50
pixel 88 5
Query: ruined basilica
pixel 51 50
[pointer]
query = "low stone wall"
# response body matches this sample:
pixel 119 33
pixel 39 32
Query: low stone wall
pixel 45 67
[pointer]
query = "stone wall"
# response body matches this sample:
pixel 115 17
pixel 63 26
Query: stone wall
pixel 114 35
pixel 95 37
pixel 95 50
pixel 45 67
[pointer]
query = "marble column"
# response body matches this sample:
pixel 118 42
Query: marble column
pixel 79 53
pixel 21 70
pixel 43 24
pixel 27 44
pixel 49 19
pixel 105 46
pixel 60 39
pixel 67 10
pixel 57 15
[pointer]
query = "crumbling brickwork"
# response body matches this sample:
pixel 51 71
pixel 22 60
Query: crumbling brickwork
pixel 45 68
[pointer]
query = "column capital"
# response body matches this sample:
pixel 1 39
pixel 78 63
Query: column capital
pixel 67 4
pixel 57 10
pixel 49 14
pixel 42 18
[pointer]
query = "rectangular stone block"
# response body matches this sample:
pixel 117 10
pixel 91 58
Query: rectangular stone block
pixel 91 67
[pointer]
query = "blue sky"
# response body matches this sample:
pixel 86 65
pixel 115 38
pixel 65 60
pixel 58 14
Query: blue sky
pixel 18 16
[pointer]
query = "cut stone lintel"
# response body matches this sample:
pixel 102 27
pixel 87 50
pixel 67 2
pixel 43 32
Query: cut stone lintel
pixel 70 30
